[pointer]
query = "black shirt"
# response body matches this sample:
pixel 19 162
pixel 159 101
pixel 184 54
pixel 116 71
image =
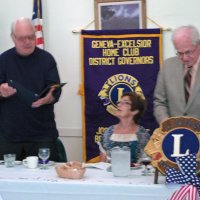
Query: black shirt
pixel 18 121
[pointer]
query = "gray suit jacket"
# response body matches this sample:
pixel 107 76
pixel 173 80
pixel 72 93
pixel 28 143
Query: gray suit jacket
pixel 169 96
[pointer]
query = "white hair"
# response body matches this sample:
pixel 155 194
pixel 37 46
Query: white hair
pixel 191 30
pixel 22 19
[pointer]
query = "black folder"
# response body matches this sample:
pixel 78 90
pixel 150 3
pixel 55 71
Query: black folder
pixel 46 90
pixel 28 96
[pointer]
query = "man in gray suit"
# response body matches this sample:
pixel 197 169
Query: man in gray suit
pixel 169 96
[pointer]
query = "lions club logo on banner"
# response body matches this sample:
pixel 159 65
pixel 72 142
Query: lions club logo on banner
pixel 176 137
pixel 114 87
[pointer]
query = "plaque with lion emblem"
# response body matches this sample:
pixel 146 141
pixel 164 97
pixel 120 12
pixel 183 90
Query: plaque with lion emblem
pixel 176 137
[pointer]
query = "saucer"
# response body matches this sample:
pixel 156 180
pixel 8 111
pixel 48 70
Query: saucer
pixel 50 163
pixel 17 162
pixel 135 166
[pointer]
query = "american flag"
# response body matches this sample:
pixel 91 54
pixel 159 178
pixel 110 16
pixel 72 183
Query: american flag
pixel 186 192
pixel 186 175
pixel 37 21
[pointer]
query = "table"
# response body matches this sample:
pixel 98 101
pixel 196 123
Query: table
pixel 20 183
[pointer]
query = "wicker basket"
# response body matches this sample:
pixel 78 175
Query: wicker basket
pixel 70 170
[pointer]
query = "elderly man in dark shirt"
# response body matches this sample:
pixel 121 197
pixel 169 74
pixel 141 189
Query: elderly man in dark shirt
pixel 26 128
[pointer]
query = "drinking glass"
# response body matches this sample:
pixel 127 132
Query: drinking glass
pixel 145 160
pixel 9 160
pixel 44 154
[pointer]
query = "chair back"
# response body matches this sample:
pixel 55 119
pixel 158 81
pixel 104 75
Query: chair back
pixel 62 156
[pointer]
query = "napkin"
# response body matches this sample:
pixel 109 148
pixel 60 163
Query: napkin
pixel 187 172
pixel 99 165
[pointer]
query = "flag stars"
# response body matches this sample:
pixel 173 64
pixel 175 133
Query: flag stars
pixel 186 174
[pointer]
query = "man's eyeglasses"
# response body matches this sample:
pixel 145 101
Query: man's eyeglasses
pixel 186 53
pixel 123 103
pixel 25 38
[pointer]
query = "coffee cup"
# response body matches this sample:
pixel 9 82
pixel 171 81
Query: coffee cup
pixel 9 160
pixel 31 162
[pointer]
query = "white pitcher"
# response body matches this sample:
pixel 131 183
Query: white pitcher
pixel 121 161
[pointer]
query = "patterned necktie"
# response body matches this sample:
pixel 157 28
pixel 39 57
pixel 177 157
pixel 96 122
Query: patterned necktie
pixel 188 79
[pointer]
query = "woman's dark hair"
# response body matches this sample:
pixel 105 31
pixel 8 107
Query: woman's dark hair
pixel 138 102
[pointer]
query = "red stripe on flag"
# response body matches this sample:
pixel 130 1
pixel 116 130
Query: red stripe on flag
pixel 37 21
pixel 188 192
pixel 39 41
pixel 38 27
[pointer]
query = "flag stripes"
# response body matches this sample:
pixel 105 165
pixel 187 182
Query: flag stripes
pixel 38 23
pixel 188 192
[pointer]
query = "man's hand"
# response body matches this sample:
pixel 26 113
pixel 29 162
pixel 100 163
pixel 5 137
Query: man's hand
pixel 6 90
pixel 49 98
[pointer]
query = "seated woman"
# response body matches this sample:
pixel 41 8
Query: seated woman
pixel 127 132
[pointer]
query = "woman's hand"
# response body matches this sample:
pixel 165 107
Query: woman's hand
pixel 103 157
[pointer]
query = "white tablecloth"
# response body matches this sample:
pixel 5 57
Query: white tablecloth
pixel 20 183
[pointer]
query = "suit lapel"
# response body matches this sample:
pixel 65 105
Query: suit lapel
pixel 195 89
pixel 180 84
